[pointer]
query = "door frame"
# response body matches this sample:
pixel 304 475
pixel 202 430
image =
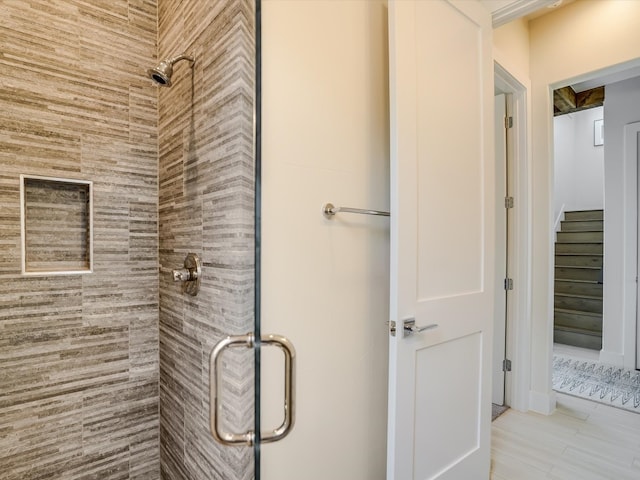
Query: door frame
pixel 499 375
pixel 628 336
pixel 518 341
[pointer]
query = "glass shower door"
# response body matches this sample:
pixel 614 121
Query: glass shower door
pixel 324 281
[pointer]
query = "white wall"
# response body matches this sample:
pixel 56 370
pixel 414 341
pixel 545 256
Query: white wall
pixel 564 48
pixel 578 163
pixel 325 283
pixel 563 154
pixel 511 47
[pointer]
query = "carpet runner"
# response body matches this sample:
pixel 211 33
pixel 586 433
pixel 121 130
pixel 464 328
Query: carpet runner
pixel 595 381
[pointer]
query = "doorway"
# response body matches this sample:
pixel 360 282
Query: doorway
pixel 578 225
pixel 619 278
pixel 512 320
pixel 501 363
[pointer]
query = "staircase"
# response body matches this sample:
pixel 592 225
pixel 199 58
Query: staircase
pixel 578 280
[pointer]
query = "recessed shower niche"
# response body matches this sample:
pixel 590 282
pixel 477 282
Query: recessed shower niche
pixel 56 225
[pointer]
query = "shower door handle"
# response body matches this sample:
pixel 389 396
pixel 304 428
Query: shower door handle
pixel 215 379
pixel 215 374
pixel 289 387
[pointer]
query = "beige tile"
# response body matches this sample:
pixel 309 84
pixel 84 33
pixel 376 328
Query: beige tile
pixel 505 466
pixel 79 354
pixel 581 440
pixel 206 207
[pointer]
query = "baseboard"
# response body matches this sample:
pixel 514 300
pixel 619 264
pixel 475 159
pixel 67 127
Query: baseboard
pixel 611 358
pixel 544 403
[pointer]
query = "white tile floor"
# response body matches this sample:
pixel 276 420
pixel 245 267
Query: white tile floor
pixel 582 440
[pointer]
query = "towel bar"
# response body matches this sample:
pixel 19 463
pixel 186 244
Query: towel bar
pixel 329 210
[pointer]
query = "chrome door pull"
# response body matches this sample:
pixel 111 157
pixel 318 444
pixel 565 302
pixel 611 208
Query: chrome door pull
pixel 215 379
pixel 410 327
pixel 289 388
pixel 215 407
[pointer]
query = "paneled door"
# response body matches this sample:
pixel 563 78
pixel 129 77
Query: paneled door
pixel 442 240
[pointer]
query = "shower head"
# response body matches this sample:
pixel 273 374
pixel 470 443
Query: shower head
pixel 161 73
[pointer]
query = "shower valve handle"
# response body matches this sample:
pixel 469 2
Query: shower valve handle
pixel 184 275
pixel 190 275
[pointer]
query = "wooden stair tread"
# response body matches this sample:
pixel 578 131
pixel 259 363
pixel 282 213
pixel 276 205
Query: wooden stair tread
pixel 582 226
pixel 579 254
pixel 568 280
pixel 578 295
pixel 583 331
pixel 590 242
pixel 576 269
pixel 597 212
pixel 577 312
pixel 578 266
pixel 581 220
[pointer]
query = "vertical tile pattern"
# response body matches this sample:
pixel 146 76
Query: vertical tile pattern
pixel 79 354
pixel 206 207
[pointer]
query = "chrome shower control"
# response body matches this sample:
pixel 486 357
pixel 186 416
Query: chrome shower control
pixel 190 274
pixel 183 275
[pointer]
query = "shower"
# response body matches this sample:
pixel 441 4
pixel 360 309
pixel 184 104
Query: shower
pixel 161 73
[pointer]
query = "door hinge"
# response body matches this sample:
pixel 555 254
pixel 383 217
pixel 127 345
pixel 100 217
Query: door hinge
pixel 508 202
pixel 508 122
pixel 508 284
pixel 506 365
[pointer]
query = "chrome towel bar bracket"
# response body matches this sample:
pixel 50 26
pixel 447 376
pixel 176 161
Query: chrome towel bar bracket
pixel 329 210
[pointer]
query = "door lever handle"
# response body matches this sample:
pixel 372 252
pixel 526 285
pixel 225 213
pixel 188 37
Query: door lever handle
pixel 409 327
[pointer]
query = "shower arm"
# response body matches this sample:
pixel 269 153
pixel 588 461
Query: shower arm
pixel 182 56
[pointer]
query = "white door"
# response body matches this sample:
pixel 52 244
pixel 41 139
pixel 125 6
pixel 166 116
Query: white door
pixel 442 240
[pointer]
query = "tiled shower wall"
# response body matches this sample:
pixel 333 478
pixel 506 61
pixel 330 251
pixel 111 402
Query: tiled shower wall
pixel 206 207
pixel 79 353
